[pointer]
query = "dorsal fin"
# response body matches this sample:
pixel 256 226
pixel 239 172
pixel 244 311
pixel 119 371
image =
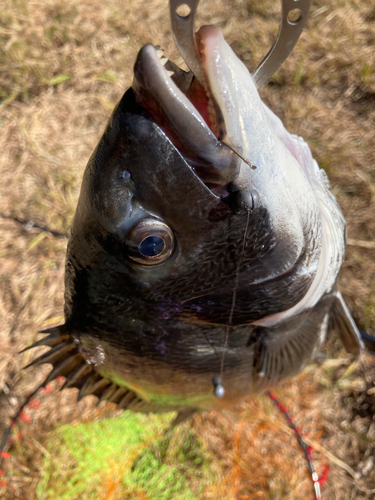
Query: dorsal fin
pixel 68 362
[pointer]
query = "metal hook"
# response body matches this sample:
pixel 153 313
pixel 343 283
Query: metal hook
pixel 290 30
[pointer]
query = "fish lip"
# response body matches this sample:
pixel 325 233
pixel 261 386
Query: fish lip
pixel 215 63
pixel 179 119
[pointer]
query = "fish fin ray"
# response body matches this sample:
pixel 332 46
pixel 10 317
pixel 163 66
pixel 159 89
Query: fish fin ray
pixel 64 367
pixel 343 323
pixel 94 383
pixel 108 392
pixel 285 349
pixel 126 400
pixel 78 376
pixel 54 338
pixel 117 395
pixel 53 355
pixel 68 362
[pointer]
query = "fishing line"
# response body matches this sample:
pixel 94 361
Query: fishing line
pixel 307 449
pixel 219 389
pixel 212 345
pixel 29 224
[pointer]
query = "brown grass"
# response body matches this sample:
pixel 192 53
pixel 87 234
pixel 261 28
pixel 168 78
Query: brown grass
pixel 63 66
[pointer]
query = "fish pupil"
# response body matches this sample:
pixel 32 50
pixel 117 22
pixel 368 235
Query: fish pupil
pixel 151 246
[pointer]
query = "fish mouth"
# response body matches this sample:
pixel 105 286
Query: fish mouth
pixel 188 110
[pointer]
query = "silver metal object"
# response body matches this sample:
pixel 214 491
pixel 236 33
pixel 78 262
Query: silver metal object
pixel 289 32
pixel 183 34
pixel 293 19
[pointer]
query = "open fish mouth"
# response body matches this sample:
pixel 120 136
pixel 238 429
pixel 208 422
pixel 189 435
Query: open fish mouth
pixel 190 112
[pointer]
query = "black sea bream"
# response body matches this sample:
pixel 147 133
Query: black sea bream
pixel 203 257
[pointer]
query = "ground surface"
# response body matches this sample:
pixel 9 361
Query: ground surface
pixel 63 66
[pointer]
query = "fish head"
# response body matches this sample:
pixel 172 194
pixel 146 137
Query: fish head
pixel 194 221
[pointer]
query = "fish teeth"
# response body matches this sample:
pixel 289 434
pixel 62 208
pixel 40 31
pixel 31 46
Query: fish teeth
pixel 163 60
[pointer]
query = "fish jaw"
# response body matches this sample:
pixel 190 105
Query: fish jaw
pixel 179 118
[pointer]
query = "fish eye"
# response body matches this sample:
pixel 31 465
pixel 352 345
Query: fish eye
pixel 150 242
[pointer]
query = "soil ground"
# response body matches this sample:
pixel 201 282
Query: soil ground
pixel 63 67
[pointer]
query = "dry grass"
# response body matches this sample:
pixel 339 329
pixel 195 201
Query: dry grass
pixel 63 66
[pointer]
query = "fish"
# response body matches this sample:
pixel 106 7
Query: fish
pixel 203 259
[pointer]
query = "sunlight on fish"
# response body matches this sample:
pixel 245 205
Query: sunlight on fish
pixel 203 257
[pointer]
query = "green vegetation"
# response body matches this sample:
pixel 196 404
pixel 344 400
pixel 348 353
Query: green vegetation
pixel 127 456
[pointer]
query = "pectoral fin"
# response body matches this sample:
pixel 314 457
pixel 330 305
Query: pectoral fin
pixel 345 326
pixel 369 341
